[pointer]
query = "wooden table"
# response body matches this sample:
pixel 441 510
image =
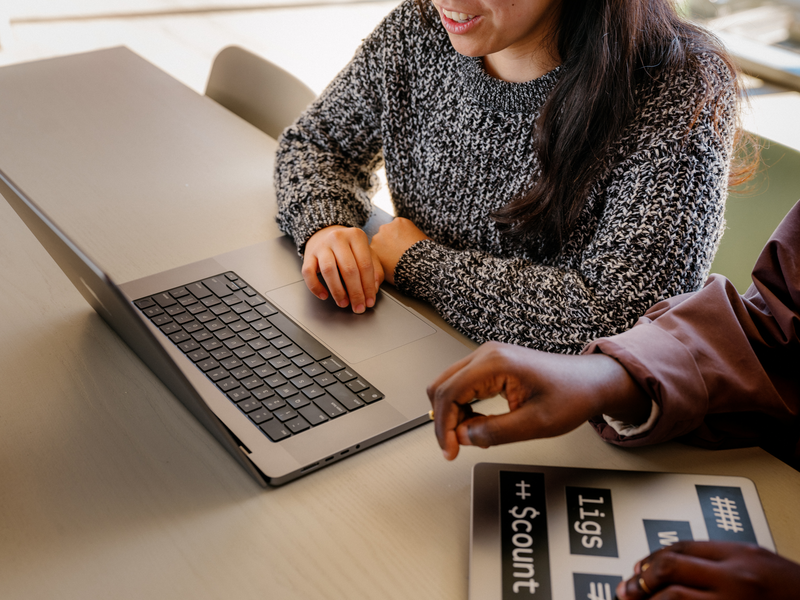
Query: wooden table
pixel 108 487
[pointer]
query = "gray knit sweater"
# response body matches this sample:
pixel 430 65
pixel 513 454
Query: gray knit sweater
pixel 457 145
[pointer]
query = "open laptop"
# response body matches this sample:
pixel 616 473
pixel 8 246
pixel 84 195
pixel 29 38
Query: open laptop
pixel 287 384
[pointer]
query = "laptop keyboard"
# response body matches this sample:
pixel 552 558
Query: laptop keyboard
pixel 281 377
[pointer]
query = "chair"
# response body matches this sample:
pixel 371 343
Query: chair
pixel 753 212
pixel 257 90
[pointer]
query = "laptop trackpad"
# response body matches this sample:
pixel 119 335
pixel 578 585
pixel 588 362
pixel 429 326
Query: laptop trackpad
pixel 355 338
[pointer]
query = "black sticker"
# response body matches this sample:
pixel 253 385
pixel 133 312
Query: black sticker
pixel 595 587
pixel 725 514
pixel 591 522
pixel 661 534
pixel 523 536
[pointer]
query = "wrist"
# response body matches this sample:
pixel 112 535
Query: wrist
pixel 616 394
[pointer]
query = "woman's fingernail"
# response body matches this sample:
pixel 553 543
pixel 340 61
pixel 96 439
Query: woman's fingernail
pixel 370 302
pixel 359 309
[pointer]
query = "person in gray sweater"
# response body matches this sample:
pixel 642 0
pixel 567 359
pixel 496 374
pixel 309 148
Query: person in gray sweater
pixel 556 166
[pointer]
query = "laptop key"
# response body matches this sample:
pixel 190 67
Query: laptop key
pixel 345 396
pixel 188 346
pixel 297 424
pixel 218 285
pixel 275 430
pixel 266 309
pixel 370 395
pixel 290 371
pixel 286 390
pixel 279 362
pixel 302 381
pixel 269 352
pixel 331 407
pixel 241 372
pixel 179 337
pixel 220 309
pixel 198 290
pixel 221 353
pixel 161 319
pixel 201 336
pixel 274 403
pixel 144 303
pixel 175 309
pixel 244 352
pixel 260 415
pixel 214 325
pixel 239 326
pixel 313 414
pixel 270 333
pixel 212 344
pixel 198 355
pixel 291 351
pixel 346 375
pixel 325 379
pixel 297 401
pixel 217 374
pixel 333 364
pixel 275 381
pixel 164 300
pixel 303 360
pixel 313 391
pixel 208 364
pixel 170 328
pixel 179 292
pixel 357 385
pixel 249 405
pixel 254 361
pixel 240 395
pixel 228 384
pixel 313 370
pixel 187 300
pixel 285 413
pixel 153 310
pixel 262 370
pixel 263 393
pixel 252 382
pixel 250 334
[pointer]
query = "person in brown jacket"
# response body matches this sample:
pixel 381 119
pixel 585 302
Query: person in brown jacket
pixel 710 368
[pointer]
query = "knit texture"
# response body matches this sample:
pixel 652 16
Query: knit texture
pixel 457 145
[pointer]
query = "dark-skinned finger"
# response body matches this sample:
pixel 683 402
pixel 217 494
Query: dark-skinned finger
pixel 671 569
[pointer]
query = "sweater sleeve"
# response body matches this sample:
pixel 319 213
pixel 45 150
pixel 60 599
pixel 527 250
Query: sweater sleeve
pixel 657 220
pixel 723 368
pixel 326 161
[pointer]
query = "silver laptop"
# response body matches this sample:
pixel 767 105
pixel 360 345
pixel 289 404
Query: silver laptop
pixel 287 384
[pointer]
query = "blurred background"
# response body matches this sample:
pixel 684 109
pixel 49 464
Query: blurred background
pixel 314 39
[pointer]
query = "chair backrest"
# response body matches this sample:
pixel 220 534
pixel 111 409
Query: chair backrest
pixel 753 212
pixel 257 90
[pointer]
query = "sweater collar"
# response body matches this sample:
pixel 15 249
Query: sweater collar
pixel 526 97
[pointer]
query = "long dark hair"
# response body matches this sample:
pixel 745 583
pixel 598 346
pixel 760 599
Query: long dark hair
pixel 606 47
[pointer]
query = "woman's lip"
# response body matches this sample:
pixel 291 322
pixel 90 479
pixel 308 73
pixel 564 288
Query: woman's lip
pixel 455 27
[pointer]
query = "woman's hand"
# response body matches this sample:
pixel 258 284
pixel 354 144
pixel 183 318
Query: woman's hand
pixel 712 571
pixel 547 394
pixel 350 269
pixel 392 240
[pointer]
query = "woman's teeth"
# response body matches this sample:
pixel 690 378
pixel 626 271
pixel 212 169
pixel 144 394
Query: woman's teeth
pixel 457 16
